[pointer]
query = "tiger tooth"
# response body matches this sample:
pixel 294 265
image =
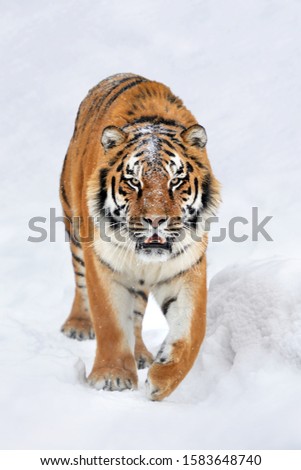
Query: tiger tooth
pixel 155 239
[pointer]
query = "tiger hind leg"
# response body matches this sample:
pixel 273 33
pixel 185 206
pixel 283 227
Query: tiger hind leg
pixel 79 324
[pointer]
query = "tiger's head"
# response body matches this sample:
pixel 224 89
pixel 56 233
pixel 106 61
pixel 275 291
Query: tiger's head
pixel 157 190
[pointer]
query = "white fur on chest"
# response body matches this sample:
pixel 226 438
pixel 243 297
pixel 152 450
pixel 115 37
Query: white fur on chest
pixel 129 266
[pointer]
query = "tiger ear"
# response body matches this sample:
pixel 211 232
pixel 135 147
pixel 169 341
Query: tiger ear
pixel 111 137
pixel 195 135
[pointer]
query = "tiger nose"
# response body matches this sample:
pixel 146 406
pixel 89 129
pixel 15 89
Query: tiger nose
pixel 154 221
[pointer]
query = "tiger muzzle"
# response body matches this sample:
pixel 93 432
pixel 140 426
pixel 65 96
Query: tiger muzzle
pixel 155 235
pixel 154 242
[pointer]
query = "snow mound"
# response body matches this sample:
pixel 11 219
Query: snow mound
pixel 245 385
pixel 257 305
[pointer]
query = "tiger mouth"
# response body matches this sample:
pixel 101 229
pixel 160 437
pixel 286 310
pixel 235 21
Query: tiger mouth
pixel 154 243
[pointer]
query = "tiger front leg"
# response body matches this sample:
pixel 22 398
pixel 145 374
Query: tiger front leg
pixel 185 312
pixel 111 308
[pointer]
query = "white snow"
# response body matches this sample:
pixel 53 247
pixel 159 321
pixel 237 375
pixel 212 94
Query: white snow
pixel 236 66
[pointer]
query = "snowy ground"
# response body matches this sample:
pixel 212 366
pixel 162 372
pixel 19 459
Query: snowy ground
pixel 237 67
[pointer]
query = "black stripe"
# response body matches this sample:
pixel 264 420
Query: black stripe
pixel 102 194
pixel 131 142
pixel 76 122
pixel 117 157
pixel 64 165
pixel 114 160
pixel 75 241
pixel 167 133
pixel 139 154
pixel 81 286
pixel 176 141
pixel 119 168
pixel 171 98
pixel 196 188
pixel 64 195
pixel 196 161
pixel 137 293
pixel 149 92
pixel 169 144
pixel 189 167
pixel 79 260
pixel 79 274
pixel 122 192
pixel 155 119
pixel 113 190
pixel 179 274
pixel 125 88
pixel 206 191
pixel 187 191
pixel 106 264
pixel 72 238
pixel 167 303
pixel 135 312
pixel 171 154
pixel 162 131
pixel 170 192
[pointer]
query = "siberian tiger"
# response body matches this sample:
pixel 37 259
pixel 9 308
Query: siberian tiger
pixel 136 188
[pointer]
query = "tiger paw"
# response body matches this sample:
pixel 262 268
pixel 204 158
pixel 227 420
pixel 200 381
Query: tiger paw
pixel 113 379
pixel 162 379
pixel 78 328
pixel 143 359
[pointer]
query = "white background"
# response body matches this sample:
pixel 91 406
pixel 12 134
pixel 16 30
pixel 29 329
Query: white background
pixel 236 65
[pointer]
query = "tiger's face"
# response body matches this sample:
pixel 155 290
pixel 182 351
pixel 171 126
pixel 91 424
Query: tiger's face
pixel 158 189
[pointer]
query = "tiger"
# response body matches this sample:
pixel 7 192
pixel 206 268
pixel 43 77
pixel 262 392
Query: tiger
pixel 136 190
